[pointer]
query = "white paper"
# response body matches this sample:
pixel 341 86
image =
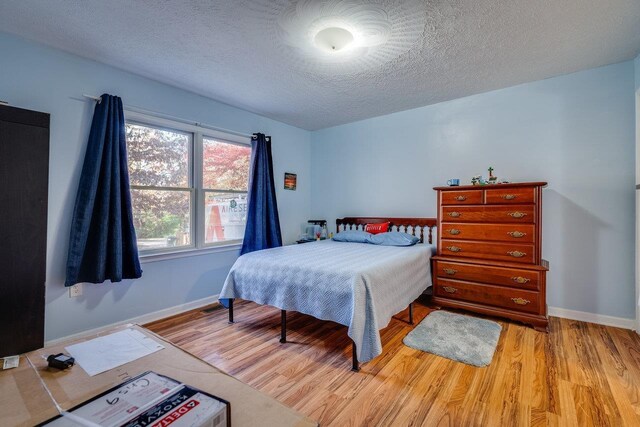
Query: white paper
pixel 110 351
pixel 11 362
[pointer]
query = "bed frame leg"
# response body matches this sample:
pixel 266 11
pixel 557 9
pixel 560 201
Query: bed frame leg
pixel 283 326
pixel 411 313
pixel 355 367
pixel 231 310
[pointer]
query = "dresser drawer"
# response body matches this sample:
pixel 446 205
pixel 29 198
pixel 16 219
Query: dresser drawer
pixel 469 197
pixel 497 296
pixel 513 252
pixel 520 233
pixel 521 279
pixel 524 214
pixel 501 196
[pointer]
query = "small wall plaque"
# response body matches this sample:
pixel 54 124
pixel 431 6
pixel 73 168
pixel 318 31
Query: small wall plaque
pixel 290 181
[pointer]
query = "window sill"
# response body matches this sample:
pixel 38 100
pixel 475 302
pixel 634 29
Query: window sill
pixel 235 247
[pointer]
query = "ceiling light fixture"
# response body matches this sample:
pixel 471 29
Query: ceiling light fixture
pixel 341 37
pixel 333 39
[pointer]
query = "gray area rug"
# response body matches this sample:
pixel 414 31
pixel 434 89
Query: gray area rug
pixel 465 339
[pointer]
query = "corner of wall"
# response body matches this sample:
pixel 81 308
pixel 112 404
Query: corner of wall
pixel 636 65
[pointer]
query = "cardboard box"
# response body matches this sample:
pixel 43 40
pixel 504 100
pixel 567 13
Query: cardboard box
pixel 24 401
pixel 148 400
pixel 187 407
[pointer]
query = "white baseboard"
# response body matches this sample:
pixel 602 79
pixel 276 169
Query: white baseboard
pixel 619 322
pixel 142 319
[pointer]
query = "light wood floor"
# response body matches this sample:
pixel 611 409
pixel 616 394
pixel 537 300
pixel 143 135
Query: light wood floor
pixel 579 374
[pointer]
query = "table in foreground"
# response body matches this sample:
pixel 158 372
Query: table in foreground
pixel 25 401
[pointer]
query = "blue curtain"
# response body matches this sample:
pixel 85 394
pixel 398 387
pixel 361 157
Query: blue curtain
pixel 102 245
pixel 263 224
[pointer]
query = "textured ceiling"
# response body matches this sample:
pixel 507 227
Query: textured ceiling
pixel 258 54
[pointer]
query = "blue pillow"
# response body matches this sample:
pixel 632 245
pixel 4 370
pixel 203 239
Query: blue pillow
pixel 394 238
pixel 354 236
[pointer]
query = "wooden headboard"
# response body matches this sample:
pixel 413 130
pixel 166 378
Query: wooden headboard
pixel 407 225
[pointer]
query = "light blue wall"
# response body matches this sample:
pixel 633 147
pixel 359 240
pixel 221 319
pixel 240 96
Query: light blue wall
pixel 637 69
pixel 637 95
pixel 637 92
pixel 36 77
pixel 574 131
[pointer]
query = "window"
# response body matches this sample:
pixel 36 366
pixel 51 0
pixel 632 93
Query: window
pixel 225 176
pixel 188 187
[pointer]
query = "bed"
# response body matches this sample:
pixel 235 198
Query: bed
pixel 358 285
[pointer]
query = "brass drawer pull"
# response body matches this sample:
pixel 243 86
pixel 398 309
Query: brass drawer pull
pixel 516 254
pixel 516 234
pixel 454 214
pixel 509 196
pixel 520 301
pixel 517 214
pixel 450 289
pixel 520 279
pixel 454 248
pixel 450 271
pixel 454 231
pixel 461 198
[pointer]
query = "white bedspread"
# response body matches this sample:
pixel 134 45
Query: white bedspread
pixel 358 285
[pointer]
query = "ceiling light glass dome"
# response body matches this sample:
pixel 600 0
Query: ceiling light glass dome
pixel 333 39
pixel 345 36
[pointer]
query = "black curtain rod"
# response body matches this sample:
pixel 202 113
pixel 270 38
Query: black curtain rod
pixel 160 115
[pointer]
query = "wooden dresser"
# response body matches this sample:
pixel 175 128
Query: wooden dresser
pixel 489 256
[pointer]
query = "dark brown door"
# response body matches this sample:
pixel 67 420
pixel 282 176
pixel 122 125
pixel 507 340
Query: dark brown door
pixel 24 171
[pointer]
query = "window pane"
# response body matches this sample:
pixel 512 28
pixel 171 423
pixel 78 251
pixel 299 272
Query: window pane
pixel 225 166
pixel 157 157
pixel 225 216
pixel 162 218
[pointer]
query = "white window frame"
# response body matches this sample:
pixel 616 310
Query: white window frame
pixel 198 245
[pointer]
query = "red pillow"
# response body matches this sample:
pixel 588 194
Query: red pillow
pixel 382 227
